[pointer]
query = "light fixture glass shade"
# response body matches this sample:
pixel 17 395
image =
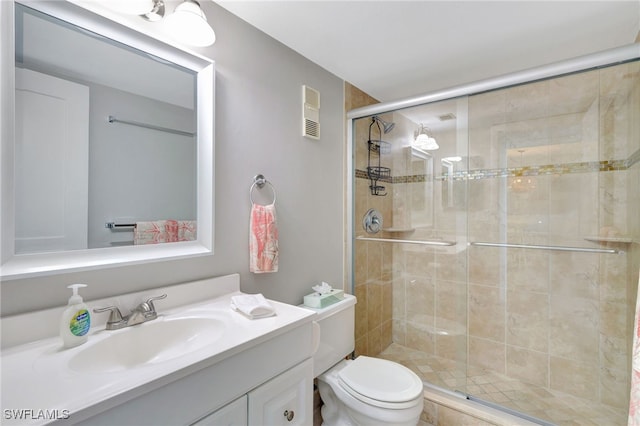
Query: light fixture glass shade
pixel 521 182
pixel 425 141
pixel 188 24
pixel 422 139
pixel 431 145
pixel 130 7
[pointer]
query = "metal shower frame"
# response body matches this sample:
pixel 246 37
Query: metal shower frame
pixel 582 63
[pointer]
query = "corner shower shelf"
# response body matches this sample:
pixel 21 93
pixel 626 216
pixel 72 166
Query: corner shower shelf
pixel 621 240
pixel 544 247
pixel 398 229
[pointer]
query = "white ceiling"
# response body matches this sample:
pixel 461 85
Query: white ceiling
pixel 398 49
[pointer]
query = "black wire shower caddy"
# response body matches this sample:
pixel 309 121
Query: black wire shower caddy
pixel 377 172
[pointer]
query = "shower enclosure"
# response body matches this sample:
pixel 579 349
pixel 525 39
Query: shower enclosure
pixel 505 262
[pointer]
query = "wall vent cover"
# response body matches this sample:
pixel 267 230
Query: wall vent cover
pixel 448 116
pixel 310 113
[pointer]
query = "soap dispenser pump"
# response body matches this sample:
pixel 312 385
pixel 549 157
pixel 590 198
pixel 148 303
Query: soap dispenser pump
pixel 76 320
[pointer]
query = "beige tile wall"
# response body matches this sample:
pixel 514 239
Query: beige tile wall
pixel 557 319
pixel 372 271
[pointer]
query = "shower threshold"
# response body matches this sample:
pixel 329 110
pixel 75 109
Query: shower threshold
pixel 508 410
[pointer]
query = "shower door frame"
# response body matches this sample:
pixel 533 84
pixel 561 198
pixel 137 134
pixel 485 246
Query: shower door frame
pixel 582 63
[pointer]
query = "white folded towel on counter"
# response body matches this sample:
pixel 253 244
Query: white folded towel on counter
pixel 252 305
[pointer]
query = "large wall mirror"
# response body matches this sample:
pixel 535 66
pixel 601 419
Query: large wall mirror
pixel 110 158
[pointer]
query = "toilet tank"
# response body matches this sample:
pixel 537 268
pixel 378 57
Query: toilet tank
pixel 336 326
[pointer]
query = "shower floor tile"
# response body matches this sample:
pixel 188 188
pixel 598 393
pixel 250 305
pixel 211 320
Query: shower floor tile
pixel 546 404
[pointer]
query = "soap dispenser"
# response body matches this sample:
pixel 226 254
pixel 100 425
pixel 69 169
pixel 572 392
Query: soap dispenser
pixel 76 320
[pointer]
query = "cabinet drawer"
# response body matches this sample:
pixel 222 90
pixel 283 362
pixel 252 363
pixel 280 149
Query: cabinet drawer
pixel 233 414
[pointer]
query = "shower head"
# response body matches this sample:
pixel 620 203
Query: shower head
pixel 387 126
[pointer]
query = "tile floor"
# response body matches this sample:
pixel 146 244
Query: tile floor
pixel 546 404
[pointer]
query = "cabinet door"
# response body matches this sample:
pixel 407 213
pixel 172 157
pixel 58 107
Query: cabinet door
pixel 233 414
pixel 285 400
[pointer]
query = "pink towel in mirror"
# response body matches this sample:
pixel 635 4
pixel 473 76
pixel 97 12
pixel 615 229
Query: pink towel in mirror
pixel 164 231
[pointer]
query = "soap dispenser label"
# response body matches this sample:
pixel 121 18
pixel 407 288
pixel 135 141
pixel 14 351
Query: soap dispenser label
pixel 80 323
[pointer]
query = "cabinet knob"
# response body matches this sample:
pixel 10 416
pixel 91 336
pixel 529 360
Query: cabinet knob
pixel 289 415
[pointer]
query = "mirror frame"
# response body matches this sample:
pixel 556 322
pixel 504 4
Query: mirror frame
pixel 20 266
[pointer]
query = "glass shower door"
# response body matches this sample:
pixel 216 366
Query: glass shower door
pixel 417 260
pixel 505 265
pixel 549 234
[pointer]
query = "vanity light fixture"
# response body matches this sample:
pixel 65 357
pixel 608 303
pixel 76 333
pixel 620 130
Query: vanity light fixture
pixel 188 24
pixel 424 140
pixel 521 182
pixel 156 13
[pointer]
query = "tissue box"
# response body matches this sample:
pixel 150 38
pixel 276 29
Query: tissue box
pixel 317 300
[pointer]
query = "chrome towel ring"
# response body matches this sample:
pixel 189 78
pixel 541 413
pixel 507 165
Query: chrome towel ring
pixel 260 181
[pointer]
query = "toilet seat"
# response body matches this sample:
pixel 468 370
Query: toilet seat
pixel 381 383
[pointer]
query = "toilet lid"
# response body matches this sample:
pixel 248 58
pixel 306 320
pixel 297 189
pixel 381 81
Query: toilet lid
pixel 380 380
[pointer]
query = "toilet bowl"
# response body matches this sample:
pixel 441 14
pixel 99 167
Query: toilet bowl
pixel 370 391
pixel 364 391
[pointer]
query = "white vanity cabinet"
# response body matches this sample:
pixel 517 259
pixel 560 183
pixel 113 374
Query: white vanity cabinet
pixel 284 400
pixel 233 414
pixel 248 372
pixel 255 386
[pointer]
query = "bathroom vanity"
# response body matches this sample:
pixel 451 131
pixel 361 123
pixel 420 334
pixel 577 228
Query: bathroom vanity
pixel 199 363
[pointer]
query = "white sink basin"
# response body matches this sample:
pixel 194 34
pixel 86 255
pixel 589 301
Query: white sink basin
pixel 153 342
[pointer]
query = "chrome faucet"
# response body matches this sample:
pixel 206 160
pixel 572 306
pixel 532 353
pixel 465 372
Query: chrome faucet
pixel 146 311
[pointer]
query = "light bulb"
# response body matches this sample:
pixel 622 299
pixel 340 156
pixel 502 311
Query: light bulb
pixel 188 24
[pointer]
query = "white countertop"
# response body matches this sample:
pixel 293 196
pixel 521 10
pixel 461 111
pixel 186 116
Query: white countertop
pixel 38 376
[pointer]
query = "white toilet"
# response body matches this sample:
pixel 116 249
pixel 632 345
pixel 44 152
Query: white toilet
pixel 365 391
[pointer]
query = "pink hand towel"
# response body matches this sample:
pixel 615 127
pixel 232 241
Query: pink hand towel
pixel 263 239
pixel 164 231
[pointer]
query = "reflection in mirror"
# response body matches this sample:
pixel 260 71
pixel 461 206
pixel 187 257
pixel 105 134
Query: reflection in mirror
pixel 84 169
pixel 421 166
pixel 113 145
pixel 450 165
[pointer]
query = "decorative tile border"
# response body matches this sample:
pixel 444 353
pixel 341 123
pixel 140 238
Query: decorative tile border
pixel 548 169
pixel 362 174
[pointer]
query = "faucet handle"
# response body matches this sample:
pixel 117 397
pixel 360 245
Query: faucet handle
pixel 150 305
pixel 114 317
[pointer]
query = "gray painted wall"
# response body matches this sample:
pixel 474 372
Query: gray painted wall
pixel 128 165
pixel 258 130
